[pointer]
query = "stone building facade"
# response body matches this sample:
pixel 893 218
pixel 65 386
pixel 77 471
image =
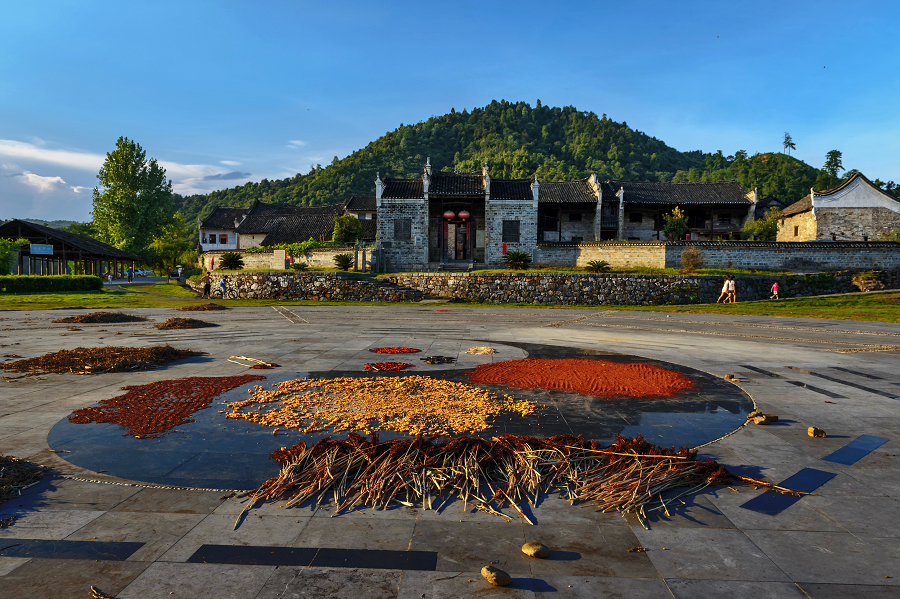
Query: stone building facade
pixel 459 220
pixel 857 210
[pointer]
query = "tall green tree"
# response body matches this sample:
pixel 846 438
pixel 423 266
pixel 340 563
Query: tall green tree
pixel 828 176
pixel 134 200
pixel 788 143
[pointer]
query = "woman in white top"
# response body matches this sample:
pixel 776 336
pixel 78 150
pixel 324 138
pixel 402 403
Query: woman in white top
pixel 724 291
pixel 732 296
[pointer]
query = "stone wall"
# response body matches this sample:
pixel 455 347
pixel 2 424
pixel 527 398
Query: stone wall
pixel 855 224
pixel 322 286
pixel 400 254
pixel 539 288
pixel 612 289
pixel 274 259
pixel 497 211
pixel 758 255
pixel 797 227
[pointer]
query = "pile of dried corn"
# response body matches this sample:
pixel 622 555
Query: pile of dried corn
pixel 394 350
pixel 148 411
pixel 96 360
pixel 202 307
pixel 101 318
pixel 628 476
pixel 183 323
pixel 17 475
pixel 481 351
pixel 418 405
pixel 590 377
pixel 386 366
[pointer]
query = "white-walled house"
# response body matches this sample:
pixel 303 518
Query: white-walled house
pixel 218 230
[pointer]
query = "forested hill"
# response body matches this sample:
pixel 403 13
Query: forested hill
pixel 519 141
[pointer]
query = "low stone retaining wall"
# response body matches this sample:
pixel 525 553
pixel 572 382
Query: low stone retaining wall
pixel 599 289
pixel 310 286
pixel 768 255
pixel 274 259
pixel 541 288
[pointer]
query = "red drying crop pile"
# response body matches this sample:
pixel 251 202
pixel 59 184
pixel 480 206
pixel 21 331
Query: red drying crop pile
pixel 96 360
pixel 183 323
pixel 387 366
pixel 202 307
pixel 590 377
pixel 101 318
pixel 395 350
pixel 153 409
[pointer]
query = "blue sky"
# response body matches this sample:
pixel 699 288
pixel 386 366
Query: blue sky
pixel 225 92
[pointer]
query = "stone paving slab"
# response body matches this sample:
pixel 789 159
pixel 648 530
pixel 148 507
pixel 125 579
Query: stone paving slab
pixel 840 542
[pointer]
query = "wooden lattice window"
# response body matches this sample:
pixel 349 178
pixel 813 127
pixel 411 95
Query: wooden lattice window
pixel 403 229
pixel 510 231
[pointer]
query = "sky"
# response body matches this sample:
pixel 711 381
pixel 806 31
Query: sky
pixel 222 93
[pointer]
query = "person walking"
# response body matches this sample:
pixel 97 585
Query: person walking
pixel 774 290
pixel 207 281
pixel 129 273
pixel 724 291
pixel 223 285
pixel 732 293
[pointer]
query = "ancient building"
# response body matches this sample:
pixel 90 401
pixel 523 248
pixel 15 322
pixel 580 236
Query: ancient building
pixel 453 220
pixel 856 210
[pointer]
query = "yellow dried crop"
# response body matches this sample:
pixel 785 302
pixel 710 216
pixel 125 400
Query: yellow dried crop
pixel 417 405
pixel 481 351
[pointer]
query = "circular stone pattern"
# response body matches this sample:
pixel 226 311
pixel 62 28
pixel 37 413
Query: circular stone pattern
pixel 219 453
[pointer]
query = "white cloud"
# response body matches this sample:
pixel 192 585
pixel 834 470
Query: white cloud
pixel 39 182
pixel 80 188
pixel 296 143
pixel 230 162
pixel 79 160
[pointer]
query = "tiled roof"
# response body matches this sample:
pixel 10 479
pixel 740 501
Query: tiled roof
pixel 89 246
pixel 290 224
pixel 361 204
pixel 648 192
pixel 798 207
pixel 223 217
pixel 403 189
pixel 457 184
pixel 515 189
pixel 763 206
pixel 565 192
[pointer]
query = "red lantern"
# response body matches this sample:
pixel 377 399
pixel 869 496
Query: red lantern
pixel 449 214
pixel 464 214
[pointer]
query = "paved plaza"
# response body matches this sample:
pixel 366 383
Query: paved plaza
pixel 159 522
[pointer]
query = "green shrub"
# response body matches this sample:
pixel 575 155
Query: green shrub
pixel 347 229
pixel 516 260
pixel 343 261
pixel 597 266
pixel 230 261
pixel 691 259
pixel 50 283
pixel 301 266
pixel 256 250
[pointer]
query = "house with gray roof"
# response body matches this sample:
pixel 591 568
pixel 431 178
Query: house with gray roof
pixel 456 219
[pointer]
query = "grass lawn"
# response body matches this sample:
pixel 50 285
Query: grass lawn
pixel 162 289
pixel 879 306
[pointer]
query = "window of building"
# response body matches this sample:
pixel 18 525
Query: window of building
pixel 223 239
pixel 796 231
pixel 403 229
pixel 574 217
pixel 724 219
pixel 635 217
pixel 510 231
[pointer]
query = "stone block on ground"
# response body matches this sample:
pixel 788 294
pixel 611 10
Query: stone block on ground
pixel 496 576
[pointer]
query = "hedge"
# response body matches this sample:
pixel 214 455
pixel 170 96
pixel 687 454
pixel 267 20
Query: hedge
pixel 31 283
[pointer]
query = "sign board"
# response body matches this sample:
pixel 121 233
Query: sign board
pixel 41 249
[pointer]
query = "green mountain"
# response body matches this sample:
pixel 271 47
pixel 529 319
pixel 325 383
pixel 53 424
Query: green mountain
pixel 518 141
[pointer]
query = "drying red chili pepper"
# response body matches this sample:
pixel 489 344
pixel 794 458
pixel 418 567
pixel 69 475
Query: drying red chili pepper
pixel 395 350
pixel 387 366
pixel 155 408
pixel 591 377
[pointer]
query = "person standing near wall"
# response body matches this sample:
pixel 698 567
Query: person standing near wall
pixel 774 290
pixel 207 281
pixel 129 273
pixel 223 285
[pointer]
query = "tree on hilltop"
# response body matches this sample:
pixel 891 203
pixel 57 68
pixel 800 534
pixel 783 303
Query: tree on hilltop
pixel 789 143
